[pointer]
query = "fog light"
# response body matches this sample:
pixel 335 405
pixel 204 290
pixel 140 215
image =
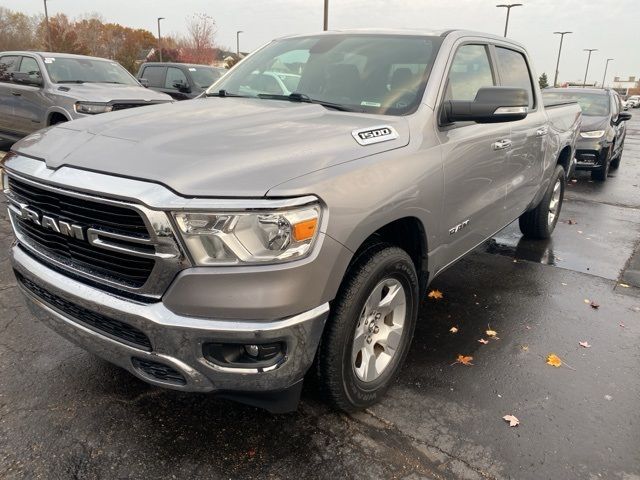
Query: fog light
pixel 250 355
pixel 252 350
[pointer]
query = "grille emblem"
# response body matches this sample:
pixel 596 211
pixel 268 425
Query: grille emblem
pixel 50 223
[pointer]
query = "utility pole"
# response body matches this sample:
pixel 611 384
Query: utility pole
pixel 590 50
pixel 562 34
pixel 238 43
pixel 46 16
pixel 606 65
pixel 326 15
pixel 160 39
pixel 508 7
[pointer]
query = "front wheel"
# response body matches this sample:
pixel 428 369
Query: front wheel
pixel 370 328
pixel 540 222
pixel 601 173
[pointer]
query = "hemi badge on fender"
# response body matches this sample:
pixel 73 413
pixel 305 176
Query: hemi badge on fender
pixel 367 136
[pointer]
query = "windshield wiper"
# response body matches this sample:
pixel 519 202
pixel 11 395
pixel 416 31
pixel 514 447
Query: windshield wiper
pixel 224 93
pixel 71 81
pixel 304 98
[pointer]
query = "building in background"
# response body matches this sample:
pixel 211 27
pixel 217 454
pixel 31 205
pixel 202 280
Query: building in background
pixel 627 86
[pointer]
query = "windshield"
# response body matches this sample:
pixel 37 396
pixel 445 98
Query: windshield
pixel 205 76
pixel 592 104
pixel 81 70
pixel 383 74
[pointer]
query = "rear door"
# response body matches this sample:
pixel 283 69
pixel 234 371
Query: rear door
pixel 155 75
pixel 8 65
pixel 525 163
pixel 474 157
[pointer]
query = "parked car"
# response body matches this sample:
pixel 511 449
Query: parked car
pixel 225 243
pixel 633 101
pixel 603 127
pixel 40 89
pixel 180 80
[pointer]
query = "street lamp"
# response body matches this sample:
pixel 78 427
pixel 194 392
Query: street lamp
pixel 326 15
pixel 562 34
pixel 160 39
pixel 238 42
pixel 590 50
pixel 606 65
pixel 46 16
pixel 508 7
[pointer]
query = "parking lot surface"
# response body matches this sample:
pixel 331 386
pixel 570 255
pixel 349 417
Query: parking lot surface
pixel 67 414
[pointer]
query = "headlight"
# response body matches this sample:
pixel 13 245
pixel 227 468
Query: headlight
pixel 254 237
pixel 4 178
pixel 92 108
pixel 593 134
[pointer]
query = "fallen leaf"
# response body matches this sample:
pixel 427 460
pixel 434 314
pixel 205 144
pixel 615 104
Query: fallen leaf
pixel 483 341
pixel 579 231
pixel 571 222
pixel 565 284
pixel 554 360
pixel 525 348
pixel 621 324
pixel 463 359
pixel 586 300
pixel 608 397
pixel 453 329
pixel 436 294
pixel 595 304
pixel 585 344
pixel 513 421
pixel 491 333
pixel 574 180
pixel 623 285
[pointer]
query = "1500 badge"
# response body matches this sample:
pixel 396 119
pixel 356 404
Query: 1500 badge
pixel 367 136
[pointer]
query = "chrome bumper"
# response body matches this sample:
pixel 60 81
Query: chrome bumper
pixel 176 340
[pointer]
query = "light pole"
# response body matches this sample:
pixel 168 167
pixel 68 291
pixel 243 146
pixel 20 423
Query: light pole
pixel 606 65
pixel 46 16
pixel 562 34
pixel 590 50
pixel 508 7
pixel 326 15
pixel 238 42
pixel 160 39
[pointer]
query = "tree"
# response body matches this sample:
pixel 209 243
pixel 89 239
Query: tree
pixel 199 45
pixel 543 81
pixel 18 31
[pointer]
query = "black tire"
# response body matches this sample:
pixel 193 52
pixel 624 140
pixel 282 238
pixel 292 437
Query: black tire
pixel 535 223
pixel 601 173
pixel 615 163
pixel 337 380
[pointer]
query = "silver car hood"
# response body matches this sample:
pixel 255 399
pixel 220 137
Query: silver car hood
pixel 107 92
pixel 213 147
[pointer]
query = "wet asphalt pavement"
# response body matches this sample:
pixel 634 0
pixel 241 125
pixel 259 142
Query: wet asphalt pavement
pixel 66 414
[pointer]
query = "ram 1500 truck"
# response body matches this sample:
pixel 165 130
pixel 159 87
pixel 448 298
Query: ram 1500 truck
pixel 235 242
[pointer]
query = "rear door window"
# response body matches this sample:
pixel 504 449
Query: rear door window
pixel 514 71
pixel 154 75
pixel 8 65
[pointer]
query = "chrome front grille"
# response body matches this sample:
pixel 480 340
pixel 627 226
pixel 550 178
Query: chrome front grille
pixel 108 242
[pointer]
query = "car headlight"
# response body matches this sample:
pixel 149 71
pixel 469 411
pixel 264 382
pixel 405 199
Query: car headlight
pixel 90 108
pixel 593 134
pixel 4 178
pixel 252 237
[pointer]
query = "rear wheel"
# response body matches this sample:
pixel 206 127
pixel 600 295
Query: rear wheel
pixel 370 328
pixel 615 163
pixel 540 222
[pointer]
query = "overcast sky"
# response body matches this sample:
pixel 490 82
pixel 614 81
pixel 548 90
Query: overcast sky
pixel 608 25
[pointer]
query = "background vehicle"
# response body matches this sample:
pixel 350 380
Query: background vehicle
pixel 41 89
pixel 256 233
pixel 603 127
pixel 633 101
pixel 180 80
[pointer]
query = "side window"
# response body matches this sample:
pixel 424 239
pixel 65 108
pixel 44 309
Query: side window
pixel 154 75
pixel 175 76
pixel 615 108
pixel 8 65
pixel 470 71
pixel 30 66
pixel 514 71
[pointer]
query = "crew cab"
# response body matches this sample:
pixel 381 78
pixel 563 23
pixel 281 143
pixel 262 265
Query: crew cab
pixel 230 243
pixel 39 89
pixel 603 129
pixel 182 81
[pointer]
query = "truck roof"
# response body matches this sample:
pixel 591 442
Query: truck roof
pixel 55 55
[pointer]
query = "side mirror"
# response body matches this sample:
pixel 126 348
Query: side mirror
pixel 26 79
pixel 144 82
pixel 623 117
pixel 182 87
pixel 491 105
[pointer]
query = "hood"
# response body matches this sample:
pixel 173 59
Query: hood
pixel 107 92
pixel 589 123
pixel 212 147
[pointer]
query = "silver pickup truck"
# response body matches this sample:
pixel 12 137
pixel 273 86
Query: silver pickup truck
pixel 240 241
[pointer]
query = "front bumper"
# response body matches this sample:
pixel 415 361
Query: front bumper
pixel 176 341
pixel 590 154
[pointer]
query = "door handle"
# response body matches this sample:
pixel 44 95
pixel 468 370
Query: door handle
pixel 541 132
pixel 16 94
pixel 501 144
